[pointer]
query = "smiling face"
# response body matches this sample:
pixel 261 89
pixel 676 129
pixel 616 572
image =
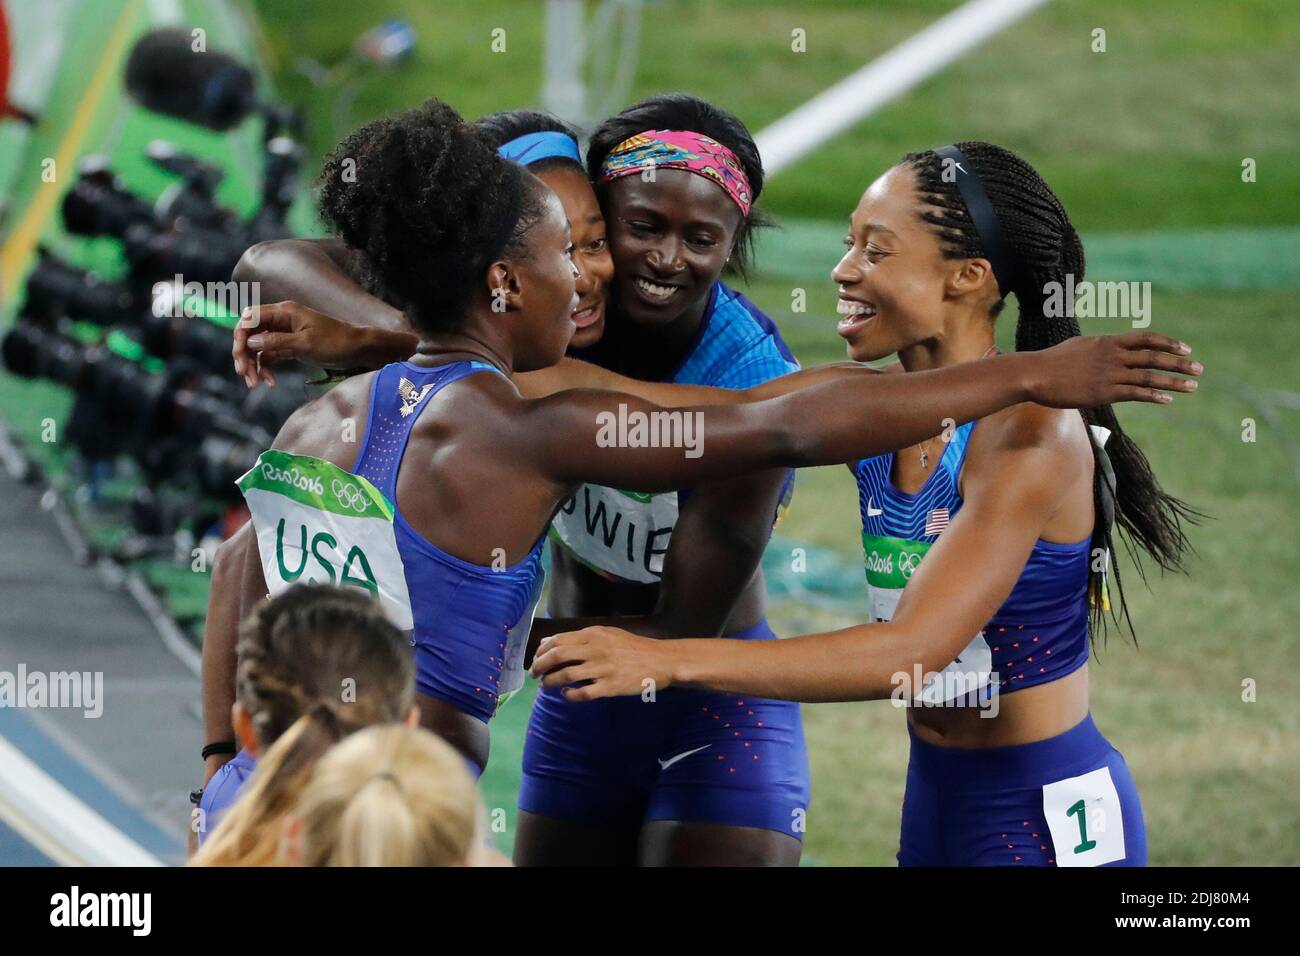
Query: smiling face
pixel 590 249
pixel 894 281
pixel 543 286
pixel 670 239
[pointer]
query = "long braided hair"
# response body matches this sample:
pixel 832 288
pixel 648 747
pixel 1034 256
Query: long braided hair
pixel 295 654
pixel 1045 248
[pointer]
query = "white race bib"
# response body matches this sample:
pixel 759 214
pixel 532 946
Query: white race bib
pixel 621 534
pixel 1084 816
pixel 890 564
pixel 317 523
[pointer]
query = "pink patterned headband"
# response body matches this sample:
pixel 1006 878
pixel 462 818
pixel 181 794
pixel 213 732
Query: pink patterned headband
pixel 680 149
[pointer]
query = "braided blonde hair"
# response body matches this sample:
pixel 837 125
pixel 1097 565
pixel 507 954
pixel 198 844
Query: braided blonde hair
pixel 315 664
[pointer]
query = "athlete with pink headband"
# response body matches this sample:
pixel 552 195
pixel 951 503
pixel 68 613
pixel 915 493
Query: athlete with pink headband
pixel 697 777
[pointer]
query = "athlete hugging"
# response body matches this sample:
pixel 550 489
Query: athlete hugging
pixel 471 257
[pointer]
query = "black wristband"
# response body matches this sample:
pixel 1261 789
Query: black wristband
pixel 220 747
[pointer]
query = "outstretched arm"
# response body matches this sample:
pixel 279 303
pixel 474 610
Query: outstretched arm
pixel 285 331
pixel 963 580
pixel 583 435
pixel 295 331
pixel 571 373
pixel 322 274
pixel 317 279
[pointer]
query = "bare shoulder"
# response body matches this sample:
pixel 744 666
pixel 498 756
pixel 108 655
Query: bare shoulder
pixel 1037 457
pixel 1057 432
pixel 486 390
pixel 488 403
pixel 304 430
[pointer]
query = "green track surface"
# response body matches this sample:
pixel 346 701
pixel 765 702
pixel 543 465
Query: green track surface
pixel 1144 143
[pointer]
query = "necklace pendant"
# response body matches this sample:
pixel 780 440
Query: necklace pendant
pixel 925 458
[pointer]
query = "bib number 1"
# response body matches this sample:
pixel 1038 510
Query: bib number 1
pixel 1084 843
pixel 1085 819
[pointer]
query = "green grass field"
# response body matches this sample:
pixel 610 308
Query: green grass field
pixel 1145 144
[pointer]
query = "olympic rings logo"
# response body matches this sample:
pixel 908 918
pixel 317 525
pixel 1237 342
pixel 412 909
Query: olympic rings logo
pixel 349 496
pixel 908 562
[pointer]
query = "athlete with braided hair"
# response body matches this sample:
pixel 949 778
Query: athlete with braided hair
pixel 297 654
pixel 1047 250
pixel 999 528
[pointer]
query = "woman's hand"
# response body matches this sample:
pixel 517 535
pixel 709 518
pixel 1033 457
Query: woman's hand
pixel 605 662
pixel 283 331
pixel 1084 372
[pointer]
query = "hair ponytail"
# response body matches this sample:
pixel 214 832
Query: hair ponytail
pixel 248 834
pixel 1047 249
pixel 295 654
pixel 391 796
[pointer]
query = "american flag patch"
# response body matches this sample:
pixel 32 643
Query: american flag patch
pixel 936 521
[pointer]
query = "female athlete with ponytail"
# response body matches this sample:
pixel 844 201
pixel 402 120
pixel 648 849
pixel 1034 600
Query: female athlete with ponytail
pixel 296 654
pixel 999 528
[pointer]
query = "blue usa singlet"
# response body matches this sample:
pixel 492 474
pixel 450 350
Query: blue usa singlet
pixel 470 621
pixel 1039 634
pixel 1069 800
pixel 316 522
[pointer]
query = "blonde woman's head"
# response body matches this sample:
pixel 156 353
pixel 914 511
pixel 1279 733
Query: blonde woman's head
pixel 390 795
pixel 315 664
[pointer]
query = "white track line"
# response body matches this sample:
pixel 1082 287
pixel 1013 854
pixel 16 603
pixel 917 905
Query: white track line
pixel 56 822
pixel 886 78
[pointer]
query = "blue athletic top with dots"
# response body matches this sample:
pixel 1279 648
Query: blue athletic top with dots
pixel 469 618
pixel 624 536
pixel 1038 635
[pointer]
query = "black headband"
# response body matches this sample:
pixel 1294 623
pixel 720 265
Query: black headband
pixel 982 215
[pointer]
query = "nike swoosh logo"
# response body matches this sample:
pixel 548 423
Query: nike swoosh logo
pixel 665 764
pixel 872 512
